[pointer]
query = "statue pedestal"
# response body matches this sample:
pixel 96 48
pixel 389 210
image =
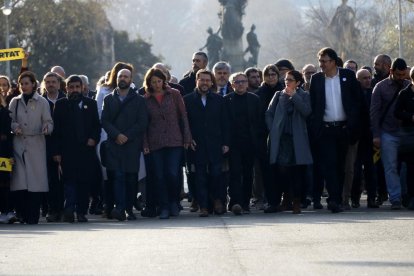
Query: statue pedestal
pixel 233 54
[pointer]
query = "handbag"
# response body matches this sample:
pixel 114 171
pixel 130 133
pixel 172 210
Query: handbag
pixel 406 141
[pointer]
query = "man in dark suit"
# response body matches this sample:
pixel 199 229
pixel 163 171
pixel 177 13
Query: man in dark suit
pixel 334 124
pixel 208 121
pixel 76 134
pixel 55 197
pixel 245 113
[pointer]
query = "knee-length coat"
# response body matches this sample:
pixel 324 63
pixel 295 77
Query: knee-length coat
pixel 30 170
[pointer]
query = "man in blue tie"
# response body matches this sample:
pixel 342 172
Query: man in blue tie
pixel 222 72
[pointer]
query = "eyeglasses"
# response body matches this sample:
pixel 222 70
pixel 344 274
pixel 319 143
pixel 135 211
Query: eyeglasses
pixel 272 75
pixel 240 81
pixel 289 80
pixel 324 60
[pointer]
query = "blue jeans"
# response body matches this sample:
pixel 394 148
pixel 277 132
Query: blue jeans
pixel 389 156
pixel 165 164
pixel 125 189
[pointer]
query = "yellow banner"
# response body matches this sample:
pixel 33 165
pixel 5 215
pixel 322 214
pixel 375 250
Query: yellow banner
pixel 5 164
pixel 11 54
pixel 377 155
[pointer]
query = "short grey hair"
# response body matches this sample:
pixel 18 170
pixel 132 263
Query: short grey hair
pixel 222 65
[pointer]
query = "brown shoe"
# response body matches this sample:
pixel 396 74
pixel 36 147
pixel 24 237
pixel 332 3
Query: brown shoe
pixel 218 207
pixel 194 206
pixel 203 212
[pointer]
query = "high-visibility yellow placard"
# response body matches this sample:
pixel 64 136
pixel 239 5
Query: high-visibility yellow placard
pixel 5 164
pixel 11 54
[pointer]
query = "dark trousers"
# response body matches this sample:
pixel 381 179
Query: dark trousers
pixel 408 159
pixel 241 176
pixel 28 205
pixel 332 148
pixel 208 183
pixel 150 189
pixel 292 180
pixel 166 163
pixel 5 200
pixel 55 197
pixel 124 189
pixel 364 165
pixel 108 192
pixel 76 196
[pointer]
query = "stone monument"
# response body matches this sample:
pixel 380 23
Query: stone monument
pixel 342 30
pixel 232 31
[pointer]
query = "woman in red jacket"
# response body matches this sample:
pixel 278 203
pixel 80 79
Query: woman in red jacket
pixel 167 133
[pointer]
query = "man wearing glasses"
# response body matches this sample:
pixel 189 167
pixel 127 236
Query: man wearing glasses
pixel 245 115
pixel 334 124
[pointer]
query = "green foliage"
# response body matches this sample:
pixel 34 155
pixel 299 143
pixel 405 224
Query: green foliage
pixel 137 52
pixel 75 34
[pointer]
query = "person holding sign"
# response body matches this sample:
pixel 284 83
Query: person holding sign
pixel 30 122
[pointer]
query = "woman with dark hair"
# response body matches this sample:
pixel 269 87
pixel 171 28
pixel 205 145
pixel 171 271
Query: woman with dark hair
pixel 266 92
pixel 288 137
pixel 167 133
pixel 31 121
pixel 404 111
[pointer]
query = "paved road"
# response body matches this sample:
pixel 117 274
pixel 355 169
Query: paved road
pixel 358 242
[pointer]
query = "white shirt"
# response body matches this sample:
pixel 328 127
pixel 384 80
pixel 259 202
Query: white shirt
pixel 204 99
pixel 334 110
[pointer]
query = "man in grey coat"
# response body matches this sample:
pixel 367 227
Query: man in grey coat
pixel 124 118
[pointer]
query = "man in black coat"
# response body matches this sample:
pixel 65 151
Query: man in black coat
pixel 76 134
pixel 245 113
pixel 208 121
pixel 199 61
pixel 334 125
pixel 55 197
pixel 125 119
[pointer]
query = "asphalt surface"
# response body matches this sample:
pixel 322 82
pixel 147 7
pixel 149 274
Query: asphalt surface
pixel 357 242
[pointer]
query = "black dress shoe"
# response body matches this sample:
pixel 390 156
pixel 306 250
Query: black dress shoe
pixel 53 217
pixel 334 207
pixel 148 213
pixel 372 204
pixel 131 216
pixel 118 214
pixel 317 205
pixel 68 217
pixel 355 204
pixel 82 218
pixel 271 209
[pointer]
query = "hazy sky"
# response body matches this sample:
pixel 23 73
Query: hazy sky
pixel 177 28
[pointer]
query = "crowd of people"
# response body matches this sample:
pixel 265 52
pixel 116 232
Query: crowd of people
pixel 276 139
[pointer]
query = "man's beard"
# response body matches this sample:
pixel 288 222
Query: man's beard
pixel 74 96
pixel 123 84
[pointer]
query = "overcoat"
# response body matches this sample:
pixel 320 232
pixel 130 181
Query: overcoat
pixel 69 139
pixel 275 118
pixel 132 121
pixel 30 170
